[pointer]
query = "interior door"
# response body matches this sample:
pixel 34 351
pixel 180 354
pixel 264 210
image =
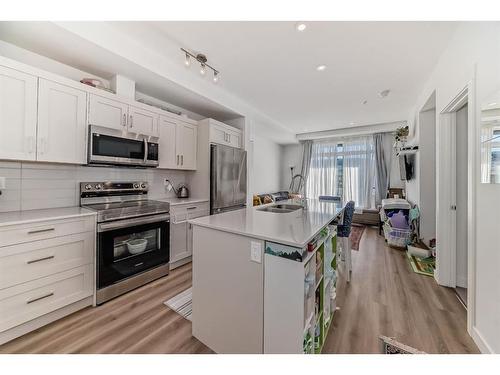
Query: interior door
pixel 167 148
pixel 143 122
pixel 18 108
pixel 61 123
pixel 108 113
pixel 461 196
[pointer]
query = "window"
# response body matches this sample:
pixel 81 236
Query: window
pixel 343 168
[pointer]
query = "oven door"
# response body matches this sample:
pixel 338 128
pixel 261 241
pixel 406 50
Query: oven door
pixel 107 147
pixel 129 247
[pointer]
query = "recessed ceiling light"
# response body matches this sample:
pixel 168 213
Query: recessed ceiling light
pixel 384 93
pixel 301 26
pixel 320 68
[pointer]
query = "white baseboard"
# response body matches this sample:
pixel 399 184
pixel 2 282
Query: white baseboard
pixel 480 342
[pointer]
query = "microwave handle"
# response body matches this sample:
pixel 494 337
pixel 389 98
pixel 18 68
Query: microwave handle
pixel 145 151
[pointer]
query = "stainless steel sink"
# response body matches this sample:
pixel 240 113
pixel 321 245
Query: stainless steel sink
pixel 281 208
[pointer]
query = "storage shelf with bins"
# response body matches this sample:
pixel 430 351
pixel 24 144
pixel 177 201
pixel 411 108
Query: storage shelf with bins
pixel 299 296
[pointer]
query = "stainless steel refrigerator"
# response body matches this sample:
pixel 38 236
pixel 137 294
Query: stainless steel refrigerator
pixel 228 178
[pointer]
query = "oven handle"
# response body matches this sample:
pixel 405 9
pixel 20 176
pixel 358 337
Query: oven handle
pixel 104 227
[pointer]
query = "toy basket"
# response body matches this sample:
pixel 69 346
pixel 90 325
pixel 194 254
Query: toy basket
pixel 397 237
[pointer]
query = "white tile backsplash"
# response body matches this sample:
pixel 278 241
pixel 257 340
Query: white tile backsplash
pixel 46 185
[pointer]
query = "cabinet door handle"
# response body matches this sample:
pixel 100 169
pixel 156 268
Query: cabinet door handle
pixel 191 208
pixel 40 259
pixel 39 298
pixel 229 137
pixel 124 119
pixel 182 159
pixel 177 159
pixel 41 230
pixel 131 121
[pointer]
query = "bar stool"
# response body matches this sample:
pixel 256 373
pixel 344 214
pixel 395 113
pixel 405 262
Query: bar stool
pixel 343 232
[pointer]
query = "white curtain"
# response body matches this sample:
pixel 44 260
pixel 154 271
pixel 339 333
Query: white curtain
pixel 324 174
pixel 359 171
pixel 344 167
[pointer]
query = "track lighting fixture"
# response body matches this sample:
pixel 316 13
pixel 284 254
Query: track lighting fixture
pixel 202 59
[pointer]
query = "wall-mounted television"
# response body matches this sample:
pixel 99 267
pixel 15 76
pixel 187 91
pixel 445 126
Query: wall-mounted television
pixel 406 166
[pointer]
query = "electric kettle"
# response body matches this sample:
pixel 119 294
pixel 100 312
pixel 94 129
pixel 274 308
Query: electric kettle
pixel 182 191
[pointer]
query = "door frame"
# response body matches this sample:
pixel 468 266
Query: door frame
pixel 446 183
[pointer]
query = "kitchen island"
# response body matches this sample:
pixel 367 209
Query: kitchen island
pixel 256 287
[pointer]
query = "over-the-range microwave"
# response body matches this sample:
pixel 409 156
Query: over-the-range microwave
pixel 108 146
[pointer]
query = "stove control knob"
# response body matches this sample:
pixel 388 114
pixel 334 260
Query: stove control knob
pixel 88 187
pixel 136 186
pixel 143 186
pixel 98 187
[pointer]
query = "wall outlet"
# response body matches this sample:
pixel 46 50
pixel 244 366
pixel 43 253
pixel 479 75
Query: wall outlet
pixel 2 182
pixel 256 252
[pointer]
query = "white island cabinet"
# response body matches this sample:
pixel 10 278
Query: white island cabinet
pixel 256 288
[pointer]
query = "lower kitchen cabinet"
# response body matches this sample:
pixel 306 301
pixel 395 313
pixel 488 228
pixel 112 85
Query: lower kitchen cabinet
pixel 181 235
pixel 46 272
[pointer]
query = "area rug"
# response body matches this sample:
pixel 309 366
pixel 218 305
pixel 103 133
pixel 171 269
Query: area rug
pixel 355 236
pixel 391 346
pixel 182 303
pixel 422 266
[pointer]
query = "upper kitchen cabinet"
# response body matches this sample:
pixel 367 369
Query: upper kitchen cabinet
pixel 187 135
pixel 61 123
pixel 18 113
pixel 178 143
pixel 223 134
pixel 114 114
pixel 141 121
pixel 108 113
pixel 168 158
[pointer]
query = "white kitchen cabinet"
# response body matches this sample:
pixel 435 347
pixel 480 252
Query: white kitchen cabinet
pixel 187 135
pixel 61 123
pixel 141 121
pixel 46 272
pixel 108 113
pixel 181 232
pixel 18 109
pixel 178 248
pixel 224 134
pixel 178 144
pixel 167 149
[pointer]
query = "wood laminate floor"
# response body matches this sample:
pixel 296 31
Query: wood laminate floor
pixel 384 298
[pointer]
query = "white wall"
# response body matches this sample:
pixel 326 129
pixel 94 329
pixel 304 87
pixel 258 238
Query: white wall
pixel 266 165
pixel 291 156
pixel 473 50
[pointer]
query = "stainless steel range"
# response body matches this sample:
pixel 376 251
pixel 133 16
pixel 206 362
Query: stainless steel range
pixel 132 235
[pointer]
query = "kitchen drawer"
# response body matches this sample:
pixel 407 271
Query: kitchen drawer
pixel 189 211
pixel 16 234
pixel 33 260
pixel 28 301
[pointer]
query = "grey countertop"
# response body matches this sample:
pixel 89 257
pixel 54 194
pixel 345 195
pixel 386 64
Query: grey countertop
pixel 296 228
pixel 31 216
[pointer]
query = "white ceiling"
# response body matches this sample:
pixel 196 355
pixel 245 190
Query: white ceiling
pixel 271 66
